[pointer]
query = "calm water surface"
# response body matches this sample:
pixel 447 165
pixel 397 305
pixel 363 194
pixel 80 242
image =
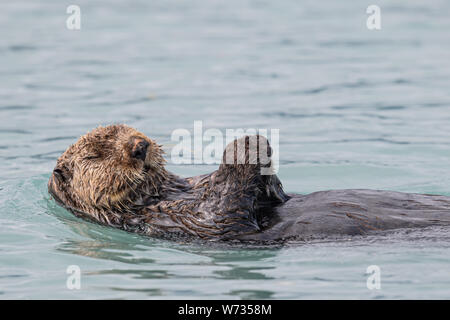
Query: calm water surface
pixel 355 109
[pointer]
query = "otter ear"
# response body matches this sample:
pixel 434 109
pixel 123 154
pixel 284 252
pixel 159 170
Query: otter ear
pixel 139 148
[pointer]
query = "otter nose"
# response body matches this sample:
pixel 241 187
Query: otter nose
pixel 140 149
pixel 60 174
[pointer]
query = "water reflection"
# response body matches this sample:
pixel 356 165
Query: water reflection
pixel 252 294
pixel 135 274
pixel 103 250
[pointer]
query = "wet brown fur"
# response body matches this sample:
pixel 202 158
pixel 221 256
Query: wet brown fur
pixel 115 175
pixel 100 178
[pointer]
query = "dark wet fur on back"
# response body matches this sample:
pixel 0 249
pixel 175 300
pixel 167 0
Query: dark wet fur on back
pixel 115 176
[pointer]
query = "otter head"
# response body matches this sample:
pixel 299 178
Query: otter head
pixel 105 170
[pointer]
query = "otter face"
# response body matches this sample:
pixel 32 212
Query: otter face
pixel 104 168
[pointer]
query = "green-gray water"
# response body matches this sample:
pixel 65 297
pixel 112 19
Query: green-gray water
pixel 355 108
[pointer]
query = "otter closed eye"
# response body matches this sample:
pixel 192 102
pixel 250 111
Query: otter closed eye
pixel 115 175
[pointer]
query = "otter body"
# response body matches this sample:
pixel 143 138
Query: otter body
pixel 115 175
pixel 341 213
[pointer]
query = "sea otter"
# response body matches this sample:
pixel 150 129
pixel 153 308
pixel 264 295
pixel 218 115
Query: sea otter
pixel 115 175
